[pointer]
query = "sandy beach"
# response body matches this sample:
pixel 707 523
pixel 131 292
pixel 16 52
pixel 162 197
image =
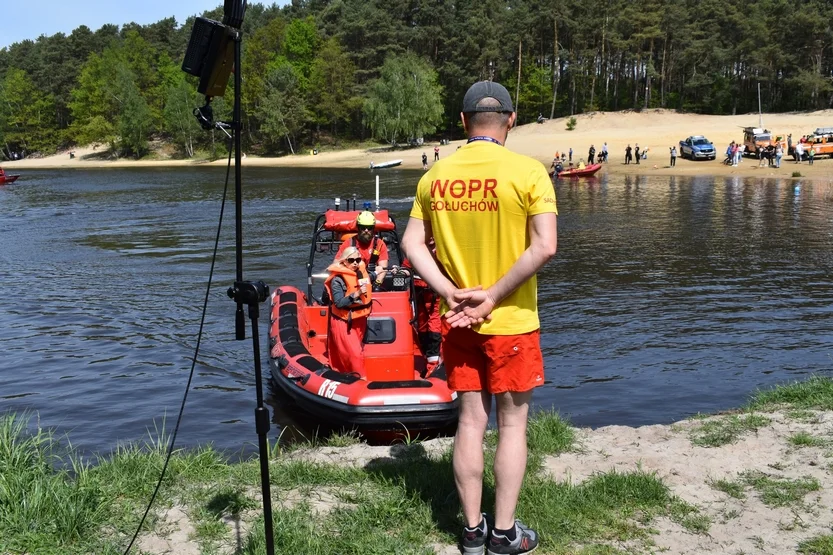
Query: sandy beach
pixel 657 130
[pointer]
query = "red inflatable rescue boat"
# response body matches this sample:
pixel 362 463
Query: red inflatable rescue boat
pixel 587 171
pixel 400 392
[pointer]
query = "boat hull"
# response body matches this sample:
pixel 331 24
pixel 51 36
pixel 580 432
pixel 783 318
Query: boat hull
pixel 588 171
pixel 8 179
pixel 389 164
pixel 397 396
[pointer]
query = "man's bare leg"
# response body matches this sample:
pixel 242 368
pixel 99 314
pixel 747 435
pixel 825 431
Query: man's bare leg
pixel 468 452
pixel 510 458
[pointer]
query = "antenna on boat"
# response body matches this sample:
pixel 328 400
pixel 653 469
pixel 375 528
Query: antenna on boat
pixel 211 48
pixel 377 193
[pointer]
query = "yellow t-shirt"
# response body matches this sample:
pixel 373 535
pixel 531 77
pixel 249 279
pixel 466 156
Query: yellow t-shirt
pixel 478 201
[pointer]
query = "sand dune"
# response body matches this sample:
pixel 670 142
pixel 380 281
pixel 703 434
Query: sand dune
pixel 657 130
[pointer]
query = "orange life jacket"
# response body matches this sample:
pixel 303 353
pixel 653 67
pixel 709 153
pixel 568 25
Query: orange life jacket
pixel 351 280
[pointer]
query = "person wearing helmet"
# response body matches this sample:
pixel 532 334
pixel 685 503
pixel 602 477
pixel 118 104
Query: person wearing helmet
pixel 373 249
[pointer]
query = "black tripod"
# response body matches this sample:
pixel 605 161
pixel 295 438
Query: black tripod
pixel 250 294
pixel 208 57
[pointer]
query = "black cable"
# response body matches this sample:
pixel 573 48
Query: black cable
pixel 193 361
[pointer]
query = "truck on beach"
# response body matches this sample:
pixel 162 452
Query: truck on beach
pixel 697 147
pixel 821 140
pixel 756 139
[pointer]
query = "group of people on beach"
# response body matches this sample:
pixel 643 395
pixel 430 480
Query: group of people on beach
pixel 771 154
pixel 630 153
pixel 480 261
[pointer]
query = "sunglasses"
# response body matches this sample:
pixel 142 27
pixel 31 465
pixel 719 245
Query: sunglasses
pixel 365 228
pixel 353 260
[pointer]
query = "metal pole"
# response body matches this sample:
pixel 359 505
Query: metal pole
pixel 760 114
pixel 239 316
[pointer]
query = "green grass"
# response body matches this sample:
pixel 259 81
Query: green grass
pixel 803 415
pixel 815 393
pixel 50 502
pixel 723 430
pixel 805 439
pixel 820 545
pixel 732 489
pixel 779 492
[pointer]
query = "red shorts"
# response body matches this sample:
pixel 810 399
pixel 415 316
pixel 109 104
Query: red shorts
pixel 493 363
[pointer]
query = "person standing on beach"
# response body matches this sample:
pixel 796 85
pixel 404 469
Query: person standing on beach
pixel 798 151
pixel 628 154
pixel 636 152
pixel 591 155
pixel 779 153
pixel 487 255
pixel 571 155
pixel 424 161
pixel 436 153
pixel 604 153
pixel 811 154
pixel 673 156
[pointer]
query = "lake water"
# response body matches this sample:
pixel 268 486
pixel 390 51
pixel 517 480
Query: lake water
pixel 668 296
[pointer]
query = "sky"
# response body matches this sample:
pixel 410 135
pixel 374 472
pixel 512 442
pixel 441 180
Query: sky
pixel 29 19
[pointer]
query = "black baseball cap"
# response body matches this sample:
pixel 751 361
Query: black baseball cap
pixel 487 89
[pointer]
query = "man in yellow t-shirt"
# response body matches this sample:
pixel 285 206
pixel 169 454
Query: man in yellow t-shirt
pixel 492 214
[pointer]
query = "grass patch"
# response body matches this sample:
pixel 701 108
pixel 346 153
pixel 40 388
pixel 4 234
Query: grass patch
pixel 726 429
pixel 815 393
pixel 806 439
pixel 732 489
pixel 549 434
pixel 689 517
pixel 803 415
pixel 610 507
pixel 820 545
pixel 50 501
pixel 779 492
pixel 344 439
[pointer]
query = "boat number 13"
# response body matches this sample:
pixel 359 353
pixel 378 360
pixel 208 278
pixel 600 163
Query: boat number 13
pixel 328 389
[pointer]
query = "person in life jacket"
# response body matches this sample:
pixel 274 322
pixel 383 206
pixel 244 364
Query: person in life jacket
pixel 349 289
pixel 373 249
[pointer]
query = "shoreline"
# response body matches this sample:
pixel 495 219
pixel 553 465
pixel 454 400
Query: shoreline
pixel 753 480
pixel 656 129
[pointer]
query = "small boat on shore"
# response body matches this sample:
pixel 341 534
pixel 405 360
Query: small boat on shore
pixel 400 393
pixel 586 171
pixel 388 164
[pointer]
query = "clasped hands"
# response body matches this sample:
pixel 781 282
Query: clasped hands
pixel 468 307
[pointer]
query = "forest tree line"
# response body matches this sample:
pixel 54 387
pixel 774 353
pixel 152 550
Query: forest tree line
pixel 334 71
